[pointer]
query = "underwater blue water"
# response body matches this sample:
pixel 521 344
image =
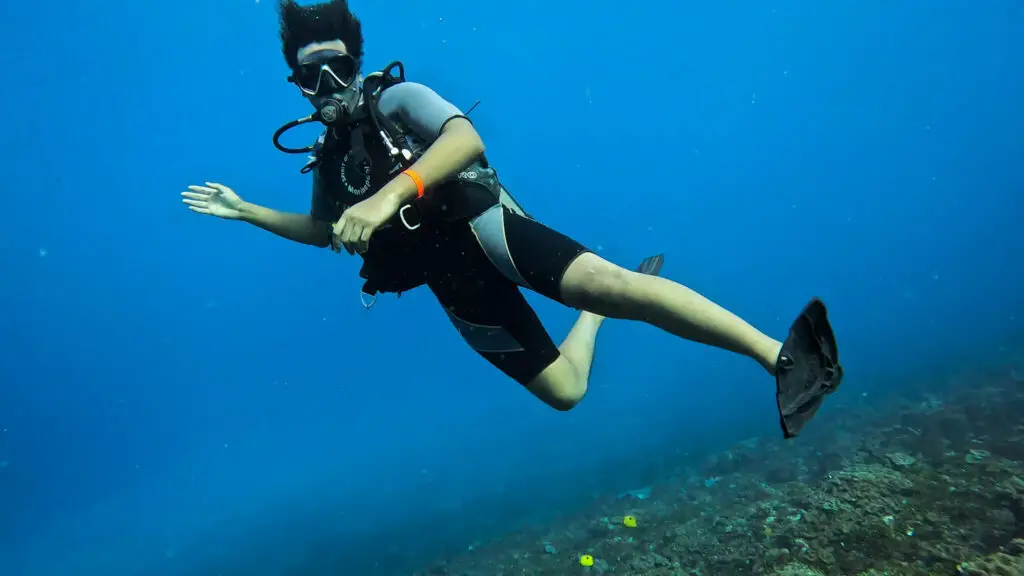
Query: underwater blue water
pixel 178 392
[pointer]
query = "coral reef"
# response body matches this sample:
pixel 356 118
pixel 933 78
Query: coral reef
pixel 931 487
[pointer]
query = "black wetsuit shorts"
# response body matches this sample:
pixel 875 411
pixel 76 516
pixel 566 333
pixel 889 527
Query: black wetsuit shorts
pixel 480 265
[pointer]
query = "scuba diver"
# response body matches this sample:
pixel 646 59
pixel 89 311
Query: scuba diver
pixel 400 178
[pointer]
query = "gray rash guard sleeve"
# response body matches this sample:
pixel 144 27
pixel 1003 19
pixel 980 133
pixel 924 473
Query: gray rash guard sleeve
pixel 419 108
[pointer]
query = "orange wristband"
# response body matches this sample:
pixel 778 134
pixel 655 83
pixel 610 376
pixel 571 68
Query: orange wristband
pixel 415 178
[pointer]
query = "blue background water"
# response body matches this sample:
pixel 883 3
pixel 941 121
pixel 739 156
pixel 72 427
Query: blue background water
pixel 177 390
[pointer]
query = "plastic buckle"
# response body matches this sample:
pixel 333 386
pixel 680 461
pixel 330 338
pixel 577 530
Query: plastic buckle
pixel 401 216
pixel 367 300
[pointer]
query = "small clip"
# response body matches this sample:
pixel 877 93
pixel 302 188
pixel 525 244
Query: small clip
pixel 367 300
pixel 401 216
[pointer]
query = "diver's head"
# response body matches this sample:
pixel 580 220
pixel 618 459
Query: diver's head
pixel 323 46
pixel 326 70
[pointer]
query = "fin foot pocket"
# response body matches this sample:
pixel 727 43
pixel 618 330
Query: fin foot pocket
pixel 808 368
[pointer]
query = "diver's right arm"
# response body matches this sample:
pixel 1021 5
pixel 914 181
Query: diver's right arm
pixel 220 201
pixel 295 227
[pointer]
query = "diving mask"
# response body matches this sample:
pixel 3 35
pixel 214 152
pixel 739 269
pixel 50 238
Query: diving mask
pixel 332 73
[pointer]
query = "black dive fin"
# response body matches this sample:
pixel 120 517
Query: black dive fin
pixel 808 368
pixel 651 266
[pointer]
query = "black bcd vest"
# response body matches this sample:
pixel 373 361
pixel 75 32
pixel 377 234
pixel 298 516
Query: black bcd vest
pixel 353 164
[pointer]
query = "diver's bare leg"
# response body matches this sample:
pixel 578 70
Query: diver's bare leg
pixel 592 283
pixel 564 382
pixel 578 346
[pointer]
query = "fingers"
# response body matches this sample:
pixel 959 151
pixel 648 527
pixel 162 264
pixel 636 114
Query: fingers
pixel 351 234
pixel 196 201
pixel 351 237
pixel 198 198
pixel 218 187
pixel 363 243
pixel 347 234
pixel 336 232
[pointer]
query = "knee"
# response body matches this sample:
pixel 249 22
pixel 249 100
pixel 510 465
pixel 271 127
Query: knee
pixel 560 386
pixel 567 400
pixel 565 393
pixel 603 288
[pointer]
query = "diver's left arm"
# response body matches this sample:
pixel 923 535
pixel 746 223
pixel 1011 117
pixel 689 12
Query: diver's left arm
pixel 452 144
pixel 457 147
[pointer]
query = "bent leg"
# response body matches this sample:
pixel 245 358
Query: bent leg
pixel 504 329
pixel 495 319
pixel 592 283
pixel 578 346
pixel 564 382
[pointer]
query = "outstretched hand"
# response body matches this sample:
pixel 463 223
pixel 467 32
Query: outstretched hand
pixel 214 199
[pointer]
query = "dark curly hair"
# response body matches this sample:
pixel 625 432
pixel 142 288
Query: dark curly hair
pixel 331 20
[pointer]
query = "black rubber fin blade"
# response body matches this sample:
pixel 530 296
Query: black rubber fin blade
pixel 808 368
pixel 651 265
